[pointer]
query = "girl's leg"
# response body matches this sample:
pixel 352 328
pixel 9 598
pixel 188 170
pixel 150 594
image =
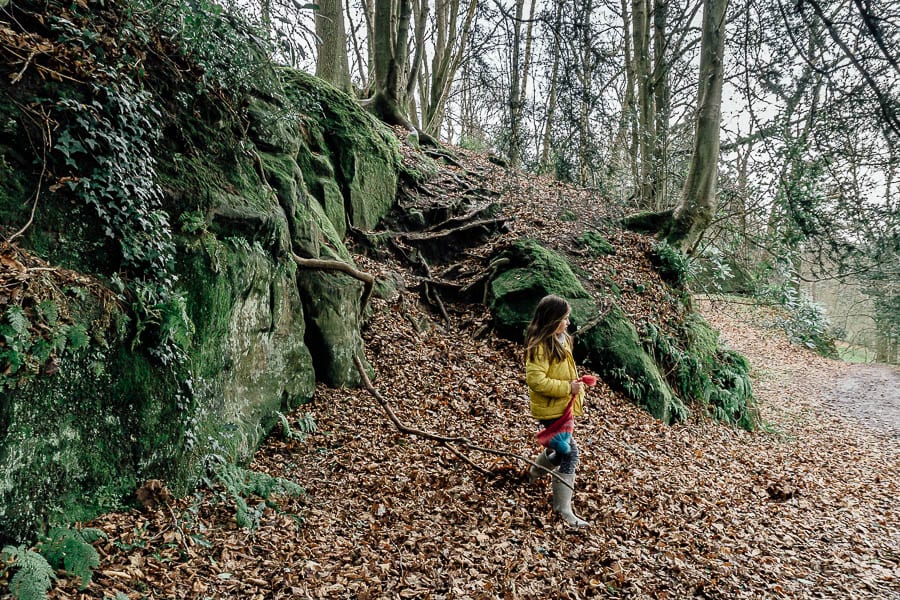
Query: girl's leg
pixel 568 461
pixel 562 493
pixel 544 459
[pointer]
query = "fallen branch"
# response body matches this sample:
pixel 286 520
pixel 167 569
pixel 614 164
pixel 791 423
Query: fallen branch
pixel 459 440
pixel 593 322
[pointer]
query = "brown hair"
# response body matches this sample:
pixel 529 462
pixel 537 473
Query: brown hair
pixel 550 312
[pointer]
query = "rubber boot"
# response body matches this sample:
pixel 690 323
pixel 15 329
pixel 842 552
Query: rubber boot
pixel 543 459
pixel 562 500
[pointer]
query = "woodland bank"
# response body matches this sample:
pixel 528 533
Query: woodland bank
pixel 187 276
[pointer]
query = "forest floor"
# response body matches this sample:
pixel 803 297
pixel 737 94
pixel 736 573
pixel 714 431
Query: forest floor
pixel 805 507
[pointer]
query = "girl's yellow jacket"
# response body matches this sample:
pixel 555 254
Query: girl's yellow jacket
pixel 549 385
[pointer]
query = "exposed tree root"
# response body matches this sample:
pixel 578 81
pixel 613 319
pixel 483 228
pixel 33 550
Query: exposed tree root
pixel 459 441
pixel 336 265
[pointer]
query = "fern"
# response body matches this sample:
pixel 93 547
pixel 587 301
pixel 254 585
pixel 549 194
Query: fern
pixel 305 425
pixel 77 336
pixel 48 312
pixel 241 483
pixel 71 550
pixel 17 319
pixel 34 575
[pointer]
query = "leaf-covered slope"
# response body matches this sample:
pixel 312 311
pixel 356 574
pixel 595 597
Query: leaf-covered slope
pixel 803 510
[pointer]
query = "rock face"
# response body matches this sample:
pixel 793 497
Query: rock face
pixel 256 332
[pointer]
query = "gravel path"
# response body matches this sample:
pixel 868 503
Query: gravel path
pixel 871 394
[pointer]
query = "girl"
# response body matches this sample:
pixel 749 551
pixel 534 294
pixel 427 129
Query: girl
pixel 552 381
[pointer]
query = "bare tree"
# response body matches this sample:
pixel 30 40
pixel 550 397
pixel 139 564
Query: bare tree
pixel 683 226
pixel 449 48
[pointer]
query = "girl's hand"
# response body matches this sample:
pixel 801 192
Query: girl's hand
pixel 575 387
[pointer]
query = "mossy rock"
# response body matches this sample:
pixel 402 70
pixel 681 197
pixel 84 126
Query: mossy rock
pixel 614 349
pixel 362 152
pixel 596 244
pixel 273 127
pixel 533 272
pixel 701 339
pixel 312 232
pixel 331 302
pixel 75 443
pixel 611 346
pixel 80 441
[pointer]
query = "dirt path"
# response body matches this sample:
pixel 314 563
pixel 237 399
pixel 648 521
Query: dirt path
pixel 865 395
pixel 870 394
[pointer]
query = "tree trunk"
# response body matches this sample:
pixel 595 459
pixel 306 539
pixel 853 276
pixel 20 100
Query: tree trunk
pixel 391 25
pixel 450 45
pixel 640 23
pixel 586 77
pixel 624 150
pixel 698 197
pixel 552 97
pixel 515 110
pixel 331 62
pixel 265 14
pixel 364 70
pixel 526 61
pixel 659 159
pixel 420 17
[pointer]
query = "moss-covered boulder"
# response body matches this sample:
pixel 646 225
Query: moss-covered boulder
pixel 347 146
pixel 611 346
pixel 531 272
pixel 221 328
pixel 595 244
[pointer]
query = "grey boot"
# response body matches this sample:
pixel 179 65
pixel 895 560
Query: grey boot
pixel 562 500
pixel 543 459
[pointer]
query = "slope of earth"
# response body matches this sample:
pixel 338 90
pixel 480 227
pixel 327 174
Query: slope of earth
pixel 802 509
pixel 806 509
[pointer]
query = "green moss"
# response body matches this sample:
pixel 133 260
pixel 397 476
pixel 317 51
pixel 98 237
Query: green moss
pixel 700 337
pixel 69 449
pixel 615 350
pixel 705 374
pixel 363 153
pixel 672 264
pixel 536 271
pixel 595 243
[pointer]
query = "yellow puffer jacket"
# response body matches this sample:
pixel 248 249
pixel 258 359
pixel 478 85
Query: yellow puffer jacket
pixel 549 385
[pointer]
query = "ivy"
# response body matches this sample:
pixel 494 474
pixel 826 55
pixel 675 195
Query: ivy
pixel 232 53
pixel 107 146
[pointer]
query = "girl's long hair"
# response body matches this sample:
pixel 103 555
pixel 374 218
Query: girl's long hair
pixel 550 312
